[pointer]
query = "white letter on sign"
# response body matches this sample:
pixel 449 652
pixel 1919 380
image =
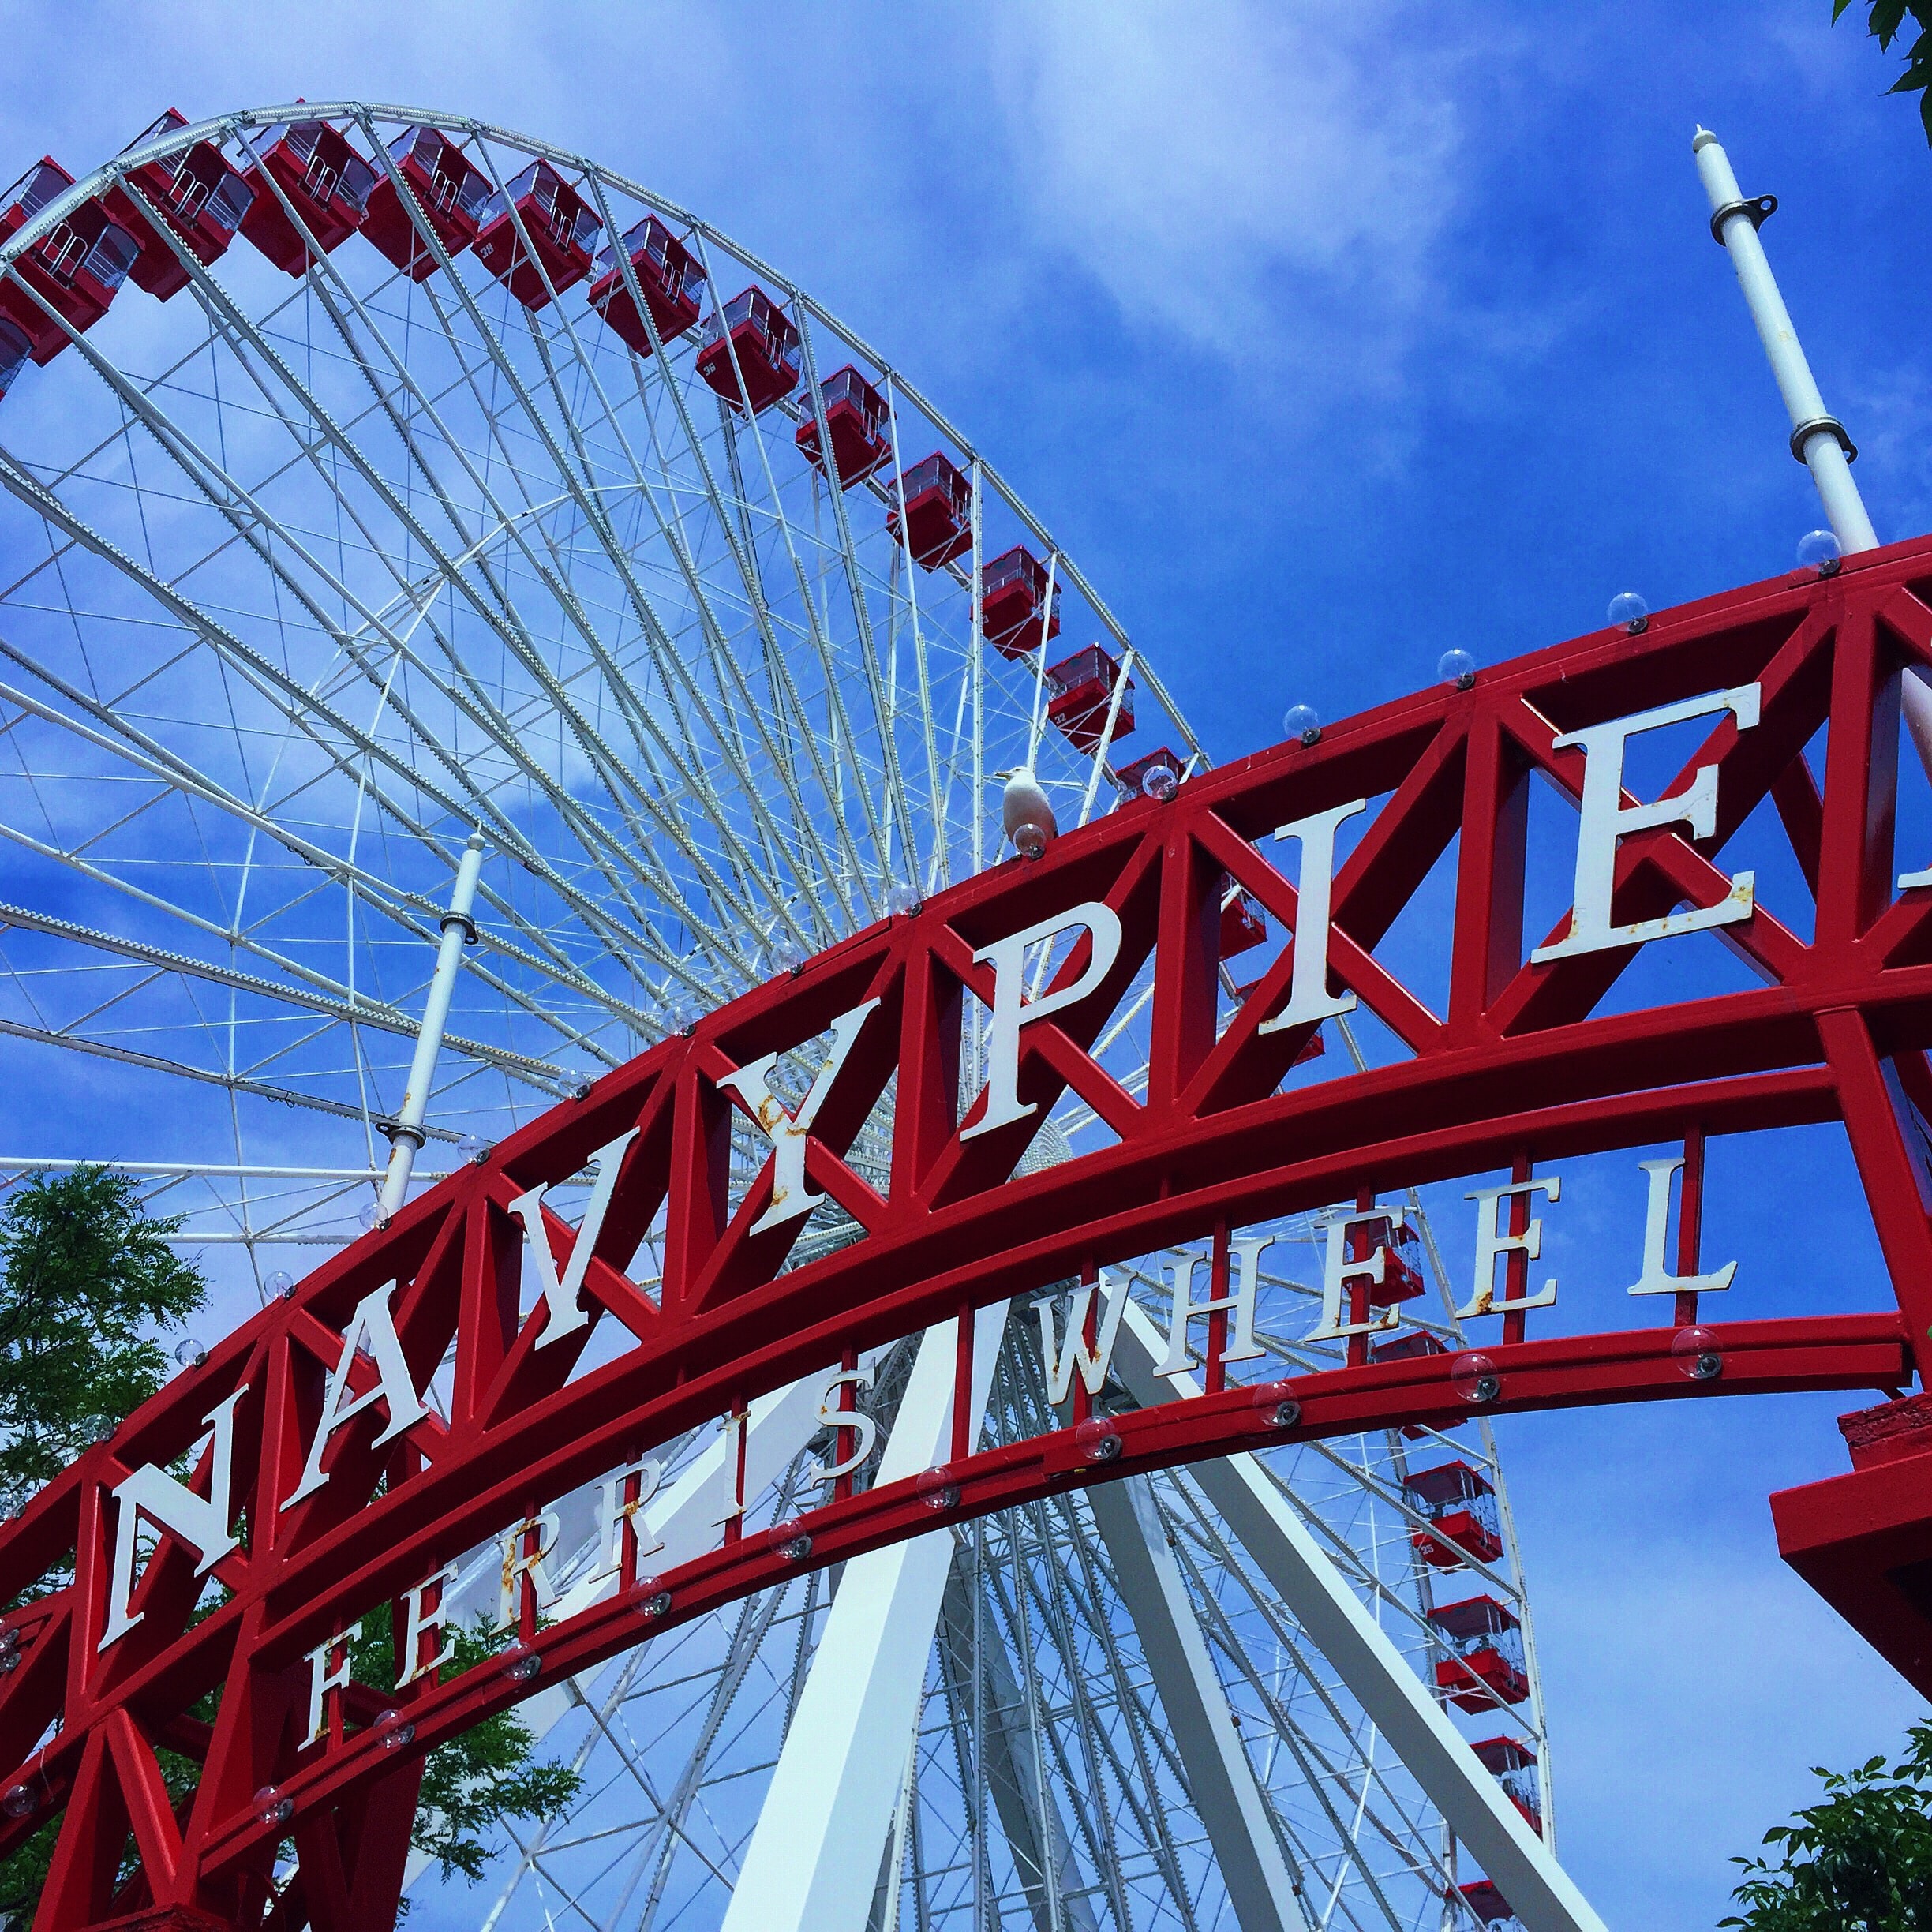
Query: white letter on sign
pixel 1606 819
pixel 861 1425
pixel 1239 1301
pixel 1656 1278
pixel 1338 1271
pixel 1308 998
pixel 1092 1362
pixel 564 1313
pixel 787 1132
pixel 1012 1010
pixel 203 1525
pixel 1490 1244
pixel 370 1323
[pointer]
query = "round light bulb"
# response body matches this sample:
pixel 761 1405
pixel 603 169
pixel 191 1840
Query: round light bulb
pixel 903 900
pixel 271 1807
pixel 279 1286
pixel 1698 1354
pixel 17 1801
pixel 1276 1407
pixel 1302 722
pixel 657 1601
pixel 373 1217
pixel 1457 667
pixel 582 1086
pixel 937 1489
pixel 190 1354
pixel 783 954
pixel 792 1543
pixel 519 1663
pixel 1628 609
pixel 472 1149
pixel 1097 1439
pixel 1819 550
pixel 679 1010
pixel 97 1428
pixel 1474 1377
pixel 1030 839
pixel 393 1730
pixel 1159 782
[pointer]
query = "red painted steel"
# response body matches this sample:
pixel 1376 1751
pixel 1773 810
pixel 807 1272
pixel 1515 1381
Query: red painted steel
pixel 1520 1068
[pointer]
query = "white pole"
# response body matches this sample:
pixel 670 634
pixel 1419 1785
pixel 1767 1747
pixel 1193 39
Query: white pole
pixel 1818 439
pixel 406 1137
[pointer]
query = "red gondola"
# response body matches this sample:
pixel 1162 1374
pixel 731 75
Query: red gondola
pixel 1488 1666
pixel 854 413
pixel 1402 1272
pixel 1131 779
pixel 450 189
pixel 1079 691
pixel 1417 1342
pixel 762 340
pixel 198 193
pixel 15 350
pixel 668 277
pixel 561 232
pixel 1486 1902
pixel 1012 598
pixel 1244 925
pixel 328 186
pixel 1461 1507
pixel 1514 1764
pixel 938 511
pixel 77 268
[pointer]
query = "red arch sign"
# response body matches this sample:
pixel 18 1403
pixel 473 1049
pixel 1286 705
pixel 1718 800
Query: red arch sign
pixel 324 1485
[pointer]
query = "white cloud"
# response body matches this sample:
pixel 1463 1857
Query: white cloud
pixel 1234 170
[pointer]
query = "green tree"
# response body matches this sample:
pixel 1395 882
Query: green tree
pixel 1861 1861
pixel 475 1781
pixel 1886 18
pixel 86 1277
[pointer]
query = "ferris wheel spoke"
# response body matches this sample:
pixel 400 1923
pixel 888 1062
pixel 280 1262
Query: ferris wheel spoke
pixel 1353 1780
pixel 679 687
pixel 723 663
pixel 937 796
pixel 1135 1776
pixel 466 693
pixel 877 688
pixel 584 501
pixel 417 914
pixel 1220 1780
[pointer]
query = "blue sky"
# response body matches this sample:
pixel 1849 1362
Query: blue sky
pixel 1325 339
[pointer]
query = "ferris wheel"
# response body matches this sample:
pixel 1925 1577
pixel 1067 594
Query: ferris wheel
pixel 416 530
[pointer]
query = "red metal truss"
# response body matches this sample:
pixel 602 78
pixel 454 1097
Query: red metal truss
pixel 1522 1063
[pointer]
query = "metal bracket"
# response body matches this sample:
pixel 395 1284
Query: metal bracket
pixel 1809 428
pixel 1756 209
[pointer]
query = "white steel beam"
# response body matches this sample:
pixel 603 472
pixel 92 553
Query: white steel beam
pixel 1471 1801
pixel 813 1863
pixel 1227 1796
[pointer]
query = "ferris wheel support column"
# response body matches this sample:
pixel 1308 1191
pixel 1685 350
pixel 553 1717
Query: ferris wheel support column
pixel 406 1137
pixel 812 1861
